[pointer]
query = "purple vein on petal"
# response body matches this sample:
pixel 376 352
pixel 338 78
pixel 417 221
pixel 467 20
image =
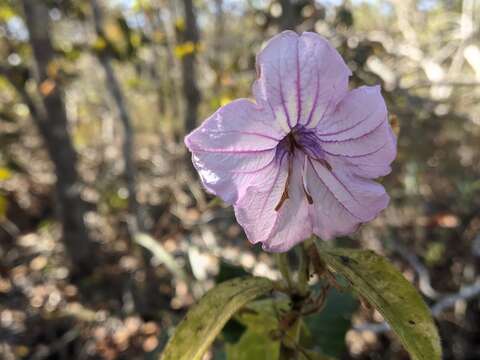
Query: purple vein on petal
pixel 242 133
pixel 348 128
pixel 271 109
pixel 356 156
pixel 298 85
pixel 254 171
pixel 282 99
pixel 344 186
pixel 274 181
pixel 329 103
pixel 270 193
pixel 315 100
pixel 353 138
pixel 331 192
pixel 226 151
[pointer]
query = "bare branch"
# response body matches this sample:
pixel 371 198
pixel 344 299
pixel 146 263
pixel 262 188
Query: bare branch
pixel 424 282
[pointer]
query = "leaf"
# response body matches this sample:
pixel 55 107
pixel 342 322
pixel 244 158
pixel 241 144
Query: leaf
pixel 260 318
pixel 312 355
pixel 254 345
pixel 180 24
pixel 6 13
pixel 205 320
pixel 381 284
pixel 5 174
pixel 232 331
pixel 184 49
pixel 268 308
pixel 329 327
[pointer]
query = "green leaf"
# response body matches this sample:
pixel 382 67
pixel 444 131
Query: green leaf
pixel 258 342
pixel 380 283
pixel 260 319
pixel 232 331
pixel 254 345
pixel 205 320
pixel 268 309
pixel 328 328
pixel 312 355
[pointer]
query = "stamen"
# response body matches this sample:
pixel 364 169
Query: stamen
pixel 283 198
pixel 306 142
pixel 285 190
pixel 304 185
pixel 326 164
pixel 309 197
pixel 323 162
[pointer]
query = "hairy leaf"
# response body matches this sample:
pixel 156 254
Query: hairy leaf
pixel 204 321
pixel 380 283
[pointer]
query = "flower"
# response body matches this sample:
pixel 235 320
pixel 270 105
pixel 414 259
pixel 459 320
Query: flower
pixel 301 159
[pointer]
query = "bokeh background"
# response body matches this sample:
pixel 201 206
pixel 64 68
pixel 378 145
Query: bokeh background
pixel 106 236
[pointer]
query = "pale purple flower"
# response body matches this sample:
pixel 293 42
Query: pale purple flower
pixel 300 159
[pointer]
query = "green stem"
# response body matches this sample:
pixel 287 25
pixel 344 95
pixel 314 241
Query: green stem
pixel 283 266
pixel 303 271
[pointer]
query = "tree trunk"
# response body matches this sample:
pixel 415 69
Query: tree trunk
pixel 51 120
pixel 130 172
pixel 190 88
pixel 218 46
pixel 287 20
pixel 169 89
pixel 142 291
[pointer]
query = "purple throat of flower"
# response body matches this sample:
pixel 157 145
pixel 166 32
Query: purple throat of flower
pixel 303 140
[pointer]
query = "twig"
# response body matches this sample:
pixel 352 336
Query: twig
pixel 424 282
pixel 9 227
pixel 160 254
pixel 445 83
pixel 465 293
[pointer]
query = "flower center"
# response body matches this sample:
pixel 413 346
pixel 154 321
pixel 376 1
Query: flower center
pixel 306 141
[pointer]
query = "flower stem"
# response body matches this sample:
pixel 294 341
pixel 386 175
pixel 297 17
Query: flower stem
pixel 303 271
pixel 283 266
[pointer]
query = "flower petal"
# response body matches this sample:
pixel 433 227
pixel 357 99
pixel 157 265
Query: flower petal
pixel 323 80
pixel 369 155
pixel 341 202
pixel 277 227
pixel 293 223
pixel 370 164
pixel 232 148
pixel 300 78
pixel 255 211
pixel 357 135
pixel 359 112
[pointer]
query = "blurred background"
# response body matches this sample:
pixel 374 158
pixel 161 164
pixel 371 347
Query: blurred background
pixel 106 236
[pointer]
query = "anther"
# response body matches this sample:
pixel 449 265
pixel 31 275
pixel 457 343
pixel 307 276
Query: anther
pixel 285 190
pixel 283 198
pixel 309 197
